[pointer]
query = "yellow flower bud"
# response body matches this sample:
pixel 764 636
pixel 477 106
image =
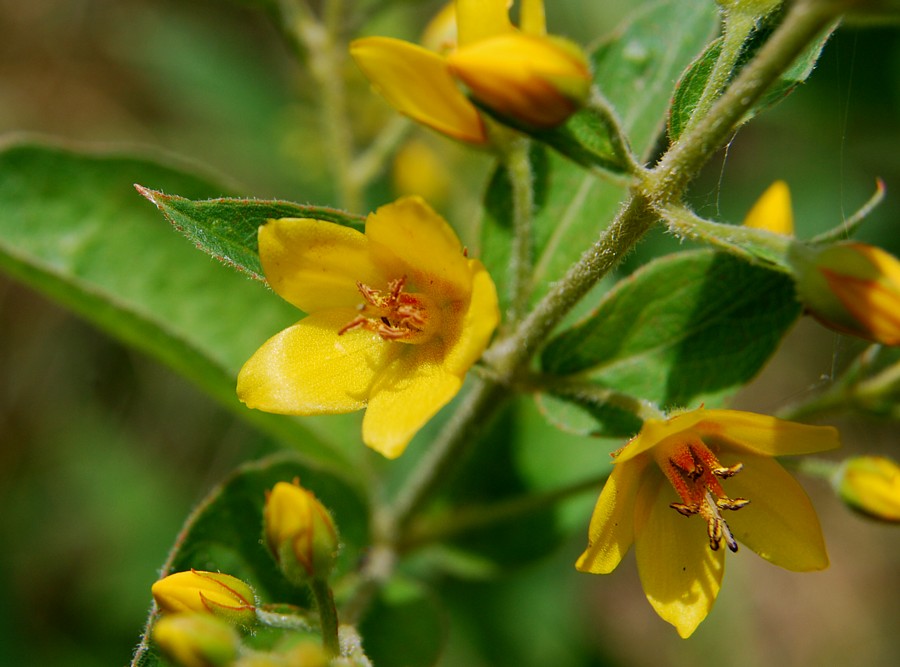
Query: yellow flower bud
pixel 853 288
pixel 772 211
pixel 299 532
pixel 196 640
pixel 533 79
pixel 419 170
pixel 208 592
pixel 871 485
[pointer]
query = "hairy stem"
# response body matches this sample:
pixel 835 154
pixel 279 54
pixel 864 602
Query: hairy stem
pixel 327 615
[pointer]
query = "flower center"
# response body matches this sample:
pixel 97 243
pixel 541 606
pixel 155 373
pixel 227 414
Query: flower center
pixel 694 472
pixel 394 314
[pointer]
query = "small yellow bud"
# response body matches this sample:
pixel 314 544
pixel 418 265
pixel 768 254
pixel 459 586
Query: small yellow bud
pixel 196 640
pixel 853 288
pixel 299 532
pixel 533 79
pixel 208 592
pixel 419 170
pixel 772 211
pixel 871 485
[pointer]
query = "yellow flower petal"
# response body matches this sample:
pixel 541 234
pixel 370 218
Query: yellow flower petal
pixel 772 211
pixel 479 19
pixel 314 264
pixel 406 395
pixel 531 17
pixel 680 574
pixel 655 431
pixel 764 434
pixel 308 369
pixel 417 83
pixel 780 523
pixel 481 318
pixel 407 236
pixel 612 524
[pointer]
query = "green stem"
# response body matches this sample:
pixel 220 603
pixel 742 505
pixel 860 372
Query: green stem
pixel 326 48
pixel 510 354
pixel 737 27
pixel 327 615
pixel 518 167
pixel 748 243
pixel 280 620
pixel 805 20
pixel 371 162
pixel 589 394
pixel 471 518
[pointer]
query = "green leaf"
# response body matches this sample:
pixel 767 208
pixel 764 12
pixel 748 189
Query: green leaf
pixel 227 229
pixel 405 626
pixel 686 329
pixel 223 534
pixel 72 227
pixel 635 70
pixel 693 81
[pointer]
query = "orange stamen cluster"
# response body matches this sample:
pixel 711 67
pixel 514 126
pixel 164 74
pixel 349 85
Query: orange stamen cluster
pixel 694 472
pixel 393 314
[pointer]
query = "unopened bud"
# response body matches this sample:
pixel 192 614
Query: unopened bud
pixel 209 592
pixel 870 485
pixel 300 533
pixel 196 640
pixel 853 288
pixel 533 79
pixel 772 211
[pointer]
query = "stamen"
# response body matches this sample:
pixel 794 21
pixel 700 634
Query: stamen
pixel 694 472
pixel 393 314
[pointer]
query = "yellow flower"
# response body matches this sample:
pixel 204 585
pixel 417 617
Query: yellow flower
pixel 420 83
pixel 871 486
pixel 772 211
pixel 209 592
pixel 853 288
pixel 300 532
pixel 196 640
pixel 704 463
pixel 396 317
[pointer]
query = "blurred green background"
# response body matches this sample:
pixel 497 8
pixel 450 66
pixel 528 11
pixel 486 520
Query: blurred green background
pixel 103 451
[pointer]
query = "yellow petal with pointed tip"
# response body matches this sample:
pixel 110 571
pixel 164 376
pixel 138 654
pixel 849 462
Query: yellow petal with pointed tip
pixel 314 264
pixel 680 574
pixel 772 211
pixel 780 523
pixel 417 83
pixel 480 19
pixel 765 435
pixel 406 395
pixel 479 322
pixel 612 524
pixel 308 369
pixel 407 237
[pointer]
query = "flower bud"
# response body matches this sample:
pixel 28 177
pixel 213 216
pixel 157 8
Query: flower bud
pixel 208 592
pixel 853 288
pixel 196 640
pixel 870 485
pixel 537 80
pixel 299 532
pixel 772 211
